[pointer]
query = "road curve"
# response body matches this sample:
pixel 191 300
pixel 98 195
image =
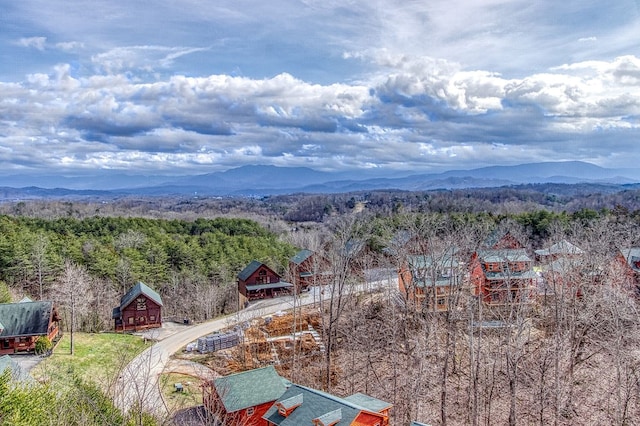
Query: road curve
pixel 139 380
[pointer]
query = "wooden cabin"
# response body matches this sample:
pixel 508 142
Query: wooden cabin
pixel 243 398
pixel 258 281
pixel 21 324
pixel 140 309
pixel 432 282
pixel 308 269
pixel 503 276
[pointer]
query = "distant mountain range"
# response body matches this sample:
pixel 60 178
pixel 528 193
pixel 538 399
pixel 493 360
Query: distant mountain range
pixel 271 180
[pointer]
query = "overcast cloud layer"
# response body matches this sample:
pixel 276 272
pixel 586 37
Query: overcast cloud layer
pixel 190 86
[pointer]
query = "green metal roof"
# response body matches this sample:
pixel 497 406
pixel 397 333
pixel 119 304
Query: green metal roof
pixel 368 402
pixel 25 319
pixel 301 256
pixel 249 270
pixel 504 255
pixel 316 405
pixel 250 388
pixel 137 290
pixel 330 418
pixel 632 256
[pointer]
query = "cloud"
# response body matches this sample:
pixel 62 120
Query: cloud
pixel 328 84
pixel 70 46
pixel 38 43
pixel 147 58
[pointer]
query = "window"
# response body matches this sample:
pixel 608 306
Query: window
pixel 5 344
pixel 441 301
pixel 250 411
pixel 142 319
pixel 152 317
pixel 132 320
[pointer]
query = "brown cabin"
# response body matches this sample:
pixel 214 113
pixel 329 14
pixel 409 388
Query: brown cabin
pixel 432 282
pixel 308 269
pixel 139 309
pixel 21 324
pixel 258 281
pixel 502 272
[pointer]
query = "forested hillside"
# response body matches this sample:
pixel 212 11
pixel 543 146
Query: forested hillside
pixel 192 263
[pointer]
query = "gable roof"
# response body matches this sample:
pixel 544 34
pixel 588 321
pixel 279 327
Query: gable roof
pixel 301 256
pixel 497 236
pixel 318 405
pixel 504 255
pixel 251 268
pixel 25 318
pixel 249 388
pixel 563 247
pixel 137 290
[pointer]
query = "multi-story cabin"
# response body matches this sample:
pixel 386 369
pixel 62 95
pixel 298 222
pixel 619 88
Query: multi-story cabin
pixel 243 398
pixel 261 397
pixel 432 282
pixel 21 324
pixel 561 266
pixel 502 276
pixel 139 309
pixel 308 269
pixel 258 281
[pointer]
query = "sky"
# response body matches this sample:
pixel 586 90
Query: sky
pixel 199 86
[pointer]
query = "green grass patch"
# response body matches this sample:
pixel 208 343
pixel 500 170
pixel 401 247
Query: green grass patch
pixel 190 396
pixel 97 358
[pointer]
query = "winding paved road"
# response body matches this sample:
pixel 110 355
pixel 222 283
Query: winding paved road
pixel 139 381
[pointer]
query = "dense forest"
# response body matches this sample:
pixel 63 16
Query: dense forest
pixel 184 260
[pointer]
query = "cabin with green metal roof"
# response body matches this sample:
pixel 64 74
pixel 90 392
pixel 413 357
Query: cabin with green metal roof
pixel 243 398
pixel 139 309
pixel 258 281
pixel 503 276
pixel 21 324
pixel 308 269
pixel 432 282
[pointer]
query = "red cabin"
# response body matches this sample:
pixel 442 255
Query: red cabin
pixel 258 281
pixel 21 324
pixel 139 309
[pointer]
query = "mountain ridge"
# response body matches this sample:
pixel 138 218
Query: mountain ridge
pixel 262 180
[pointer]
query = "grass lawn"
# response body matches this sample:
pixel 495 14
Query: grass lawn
pixel 190 396
pixel 97 357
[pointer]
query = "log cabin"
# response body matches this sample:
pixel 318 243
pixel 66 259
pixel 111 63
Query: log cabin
pixel 140 309
pixel 243 398
pixel 308 269
pixel 503 276
pixel 258 281
pixel 21 324
pixel 432 282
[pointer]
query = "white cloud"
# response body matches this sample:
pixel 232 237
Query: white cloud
pixel 38 43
